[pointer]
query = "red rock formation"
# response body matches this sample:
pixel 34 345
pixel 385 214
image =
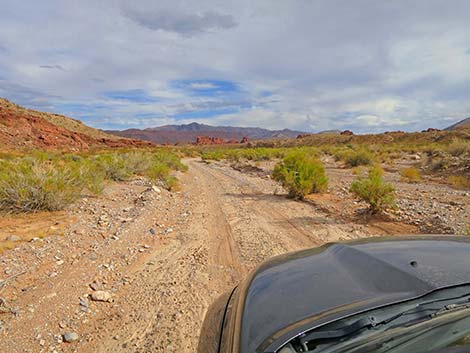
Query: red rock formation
pixel 431 130
pixel 301 136
pixel 347 133
pixel 208 140
pixel 23 128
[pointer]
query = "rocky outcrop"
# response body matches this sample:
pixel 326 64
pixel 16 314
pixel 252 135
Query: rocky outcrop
pixel 347 133
pixel 208 140
pixel 22 128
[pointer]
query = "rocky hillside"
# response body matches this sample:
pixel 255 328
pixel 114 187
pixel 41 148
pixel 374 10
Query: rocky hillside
pixel 22 128
pixel 188 133
pixel 463 124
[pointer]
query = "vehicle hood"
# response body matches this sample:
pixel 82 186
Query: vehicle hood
pixel 295 292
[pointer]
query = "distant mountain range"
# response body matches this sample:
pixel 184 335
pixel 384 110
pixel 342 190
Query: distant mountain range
pixel 465 123
pixel 188 133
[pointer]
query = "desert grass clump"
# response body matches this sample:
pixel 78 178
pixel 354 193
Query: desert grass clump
pixel 459 147
pixel 50 182
pixel 29 184
pixel 459 182
pixel 410 175
pixel 301 174
pixel 373 190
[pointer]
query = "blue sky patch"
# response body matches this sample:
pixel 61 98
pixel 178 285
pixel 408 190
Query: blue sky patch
pixel 206 88
pixel 132 95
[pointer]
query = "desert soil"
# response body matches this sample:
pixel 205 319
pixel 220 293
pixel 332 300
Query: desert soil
pixel 136 269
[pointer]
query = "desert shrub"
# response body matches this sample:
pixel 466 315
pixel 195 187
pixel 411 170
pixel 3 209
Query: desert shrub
pixel 28 184
pixel 214 155
pixel 459 147
pixel 373 190
pixel 459 181
pixel 169 159
pixel 438 164
pixel 114 166
pixel 410 175
pixel 46 181
pixel 340 154
pixel 255 154
pixel 357 170
pixel 360 157
pixel 301 174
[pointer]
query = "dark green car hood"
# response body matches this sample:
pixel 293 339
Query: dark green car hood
pixel 292 293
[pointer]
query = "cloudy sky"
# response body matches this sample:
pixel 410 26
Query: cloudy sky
pixel 365 65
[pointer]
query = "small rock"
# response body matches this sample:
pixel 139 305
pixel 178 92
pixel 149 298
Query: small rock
pixel 102 296
pixel 156 189
pixel 94 285
pixel 152 231
pixel 13 238
pixel 84 304
pixel 168 230
pixel 70 337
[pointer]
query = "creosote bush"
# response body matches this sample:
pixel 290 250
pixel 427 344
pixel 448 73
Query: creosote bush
pixel 373 190
pixel 301 174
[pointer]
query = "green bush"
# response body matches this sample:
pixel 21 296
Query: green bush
pixel 373 190
pixel 360 157
pixel 115 166
pixel 46 181
pixel 410 175
pixel 301 174
pixel 459 147
pixel 28 184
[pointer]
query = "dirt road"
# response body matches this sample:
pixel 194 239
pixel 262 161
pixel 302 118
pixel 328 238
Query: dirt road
pixel 166 259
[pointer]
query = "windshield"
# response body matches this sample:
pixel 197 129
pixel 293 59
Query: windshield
pixel 436 321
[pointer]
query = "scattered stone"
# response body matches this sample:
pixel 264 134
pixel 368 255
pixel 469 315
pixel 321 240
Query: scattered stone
pixel 84 306
pixel 95 286
pixel 152 231
pixel 4 308
pixel 156 189
pixel 13 238
pixel 70 337
pixel 168 230
pixel 102 296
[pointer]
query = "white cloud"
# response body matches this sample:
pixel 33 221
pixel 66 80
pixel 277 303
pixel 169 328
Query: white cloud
pixel 365 65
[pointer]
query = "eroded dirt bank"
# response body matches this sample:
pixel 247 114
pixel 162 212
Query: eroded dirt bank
pixel 162 258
